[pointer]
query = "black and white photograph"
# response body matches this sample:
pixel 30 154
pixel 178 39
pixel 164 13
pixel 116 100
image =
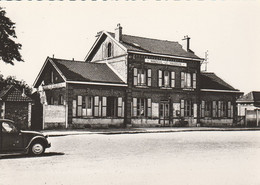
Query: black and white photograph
pixel 130 92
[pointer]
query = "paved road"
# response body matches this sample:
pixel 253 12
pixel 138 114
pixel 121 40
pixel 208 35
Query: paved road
pixel 183 158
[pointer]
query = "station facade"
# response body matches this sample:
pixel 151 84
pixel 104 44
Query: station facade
pixel 134 81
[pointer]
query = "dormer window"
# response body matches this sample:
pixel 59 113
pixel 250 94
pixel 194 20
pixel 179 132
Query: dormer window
pixel 109 49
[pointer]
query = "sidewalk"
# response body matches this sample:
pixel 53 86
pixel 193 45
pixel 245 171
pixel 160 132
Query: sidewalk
pixel 55 133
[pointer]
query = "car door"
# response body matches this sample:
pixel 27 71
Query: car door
pixel 11 137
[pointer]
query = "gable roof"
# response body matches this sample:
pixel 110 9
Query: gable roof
pixel 209 80
pixel 144 45
pixel 253 96
pixel 86 72
pixel 10 93
pixel 155 46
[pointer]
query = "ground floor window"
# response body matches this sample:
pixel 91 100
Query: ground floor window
pixel 216 109
pixel 142 107
pixel 186 108
pixel 97 106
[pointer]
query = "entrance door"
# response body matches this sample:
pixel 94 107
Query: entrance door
pixel 164 113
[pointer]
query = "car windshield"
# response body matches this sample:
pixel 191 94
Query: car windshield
pixel 8 127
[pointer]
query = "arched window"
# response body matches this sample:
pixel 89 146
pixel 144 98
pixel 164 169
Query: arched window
pixel 109 50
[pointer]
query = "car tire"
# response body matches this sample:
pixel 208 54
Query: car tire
pixel 37 148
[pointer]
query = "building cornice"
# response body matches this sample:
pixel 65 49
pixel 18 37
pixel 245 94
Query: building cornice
pixel 163 55
pixel 217 90
pixel 97 83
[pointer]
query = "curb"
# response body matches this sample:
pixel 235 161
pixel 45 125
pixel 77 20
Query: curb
pixel 66 133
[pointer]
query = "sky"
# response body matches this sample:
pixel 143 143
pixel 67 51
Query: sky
pixel 228 30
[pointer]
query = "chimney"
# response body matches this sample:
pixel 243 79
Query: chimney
pixel 118 32
pixel 23 93
pixel 186 43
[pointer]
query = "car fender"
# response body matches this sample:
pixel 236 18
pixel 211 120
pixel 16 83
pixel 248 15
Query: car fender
pixel 42 138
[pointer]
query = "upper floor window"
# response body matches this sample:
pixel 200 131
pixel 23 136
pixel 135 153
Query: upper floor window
pixel 52 77
pixel 142 77
pixel 166 78
pixel 61 100
pixel 109 49
pixel 188 80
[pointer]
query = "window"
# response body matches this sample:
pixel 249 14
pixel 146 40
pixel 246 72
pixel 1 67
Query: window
pixel 142 107
pixel 109 50
pixel 166 79
pixel 230 110
pixel 61 100
pixel 111 106
pixel 186 108
pixel 51 102
pixel 8 128
pixel 142 77
pixel 206 108
pixel 188 80
pixel 208 105
pixel 52 77
pixel 83 106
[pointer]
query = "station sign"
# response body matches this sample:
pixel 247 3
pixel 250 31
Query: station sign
pixel 165 62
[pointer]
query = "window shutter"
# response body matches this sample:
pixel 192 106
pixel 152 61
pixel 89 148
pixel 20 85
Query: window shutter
pixel 202 108
pixel 229 109
pixel 172 79
pixel 219 109
pixel 149 107
pixel 134 107
pixel 194 81
pixel 214 109
pixel 96 106
pixel 160 78
pixel 182 108
pixel 149 77
pixel 104 106
pixel 182 79
pixel 74 108
pixel 119 106
pixel 232 111
pixel 135 76
pixel 79 106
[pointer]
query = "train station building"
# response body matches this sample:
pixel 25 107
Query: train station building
pixel 132 81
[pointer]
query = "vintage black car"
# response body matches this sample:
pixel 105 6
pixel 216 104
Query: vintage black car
pixel 13 140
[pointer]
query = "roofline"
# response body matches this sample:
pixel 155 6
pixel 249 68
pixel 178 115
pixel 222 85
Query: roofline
pixel 95 43
pixel 60 73
pixel 164 55
pixel 44 65
pixel 9 88
pixel 39 74
pixel 97 83
pixel 217 90
pixel 111 67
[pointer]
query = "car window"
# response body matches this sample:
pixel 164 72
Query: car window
pixel 8 128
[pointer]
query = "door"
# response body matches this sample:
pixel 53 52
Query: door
pixel 164 113
pixel 11 137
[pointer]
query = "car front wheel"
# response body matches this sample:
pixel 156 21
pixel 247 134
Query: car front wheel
pixel 37 148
